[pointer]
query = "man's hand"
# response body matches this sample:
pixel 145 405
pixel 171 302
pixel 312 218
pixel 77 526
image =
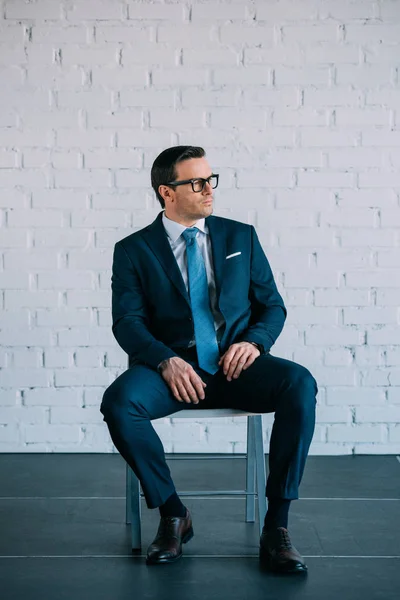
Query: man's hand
pixel 237 358
pixel 185 383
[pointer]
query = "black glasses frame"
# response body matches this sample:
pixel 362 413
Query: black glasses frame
pixel 184 181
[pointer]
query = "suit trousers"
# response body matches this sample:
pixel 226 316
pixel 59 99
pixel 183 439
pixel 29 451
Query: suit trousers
pixel 269 384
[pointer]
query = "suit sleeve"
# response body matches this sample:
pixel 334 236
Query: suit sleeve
pixel 130 315
pixel 268 312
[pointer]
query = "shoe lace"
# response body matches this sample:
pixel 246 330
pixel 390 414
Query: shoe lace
pixel 167 526
pixel 284 540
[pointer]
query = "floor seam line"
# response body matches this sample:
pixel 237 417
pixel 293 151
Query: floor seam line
pixel 195 556
pixel 187 496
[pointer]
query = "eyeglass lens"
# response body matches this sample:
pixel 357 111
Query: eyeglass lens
pixel 198 184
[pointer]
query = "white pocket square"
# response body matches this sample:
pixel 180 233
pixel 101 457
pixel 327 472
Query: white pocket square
pixel 234 254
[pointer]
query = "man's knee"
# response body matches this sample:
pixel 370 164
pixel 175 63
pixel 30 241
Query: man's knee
pixel 106 403
pixel 114 402
pixel 121 401
pixel 305 385
pixel 300 376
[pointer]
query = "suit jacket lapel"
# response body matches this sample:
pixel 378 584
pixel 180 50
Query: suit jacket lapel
pixel 216 229
pixel 156 237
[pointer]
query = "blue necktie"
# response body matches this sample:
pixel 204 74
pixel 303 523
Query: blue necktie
pixel 206 340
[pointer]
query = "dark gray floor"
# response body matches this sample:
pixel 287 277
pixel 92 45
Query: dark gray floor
pixel 63 532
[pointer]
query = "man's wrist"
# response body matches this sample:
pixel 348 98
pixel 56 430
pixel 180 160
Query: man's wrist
pixel 162 365
pixel 259 347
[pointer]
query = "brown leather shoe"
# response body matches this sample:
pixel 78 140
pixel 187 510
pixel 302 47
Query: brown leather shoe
pixel 167 545
pixel 278 553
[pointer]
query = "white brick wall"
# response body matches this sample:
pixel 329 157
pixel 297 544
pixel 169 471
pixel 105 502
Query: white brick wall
pixel 297 105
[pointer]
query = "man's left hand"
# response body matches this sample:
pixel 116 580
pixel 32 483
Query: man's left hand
pixel 237 358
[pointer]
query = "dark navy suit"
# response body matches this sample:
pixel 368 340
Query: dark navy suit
pixel 152 321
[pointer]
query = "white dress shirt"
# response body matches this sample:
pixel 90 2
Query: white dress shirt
pixel 178 246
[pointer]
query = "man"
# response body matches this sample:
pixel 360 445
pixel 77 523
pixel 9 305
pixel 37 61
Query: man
pixel 196 308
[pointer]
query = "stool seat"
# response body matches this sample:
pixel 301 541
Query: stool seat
pixel 210 413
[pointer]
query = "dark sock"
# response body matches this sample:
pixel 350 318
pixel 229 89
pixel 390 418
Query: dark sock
pixel 173 507
pixel 277 513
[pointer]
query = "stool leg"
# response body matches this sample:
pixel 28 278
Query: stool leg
pixel 260 469
pixel 128 491
pixel 133 508
pixel 136 525
pixel 250 473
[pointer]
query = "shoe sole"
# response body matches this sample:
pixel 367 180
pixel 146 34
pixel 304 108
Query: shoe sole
pixel 275 567
pixel 160 561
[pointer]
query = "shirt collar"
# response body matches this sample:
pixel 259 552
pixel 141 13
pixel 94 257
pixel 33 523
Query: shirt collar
pixel 174 229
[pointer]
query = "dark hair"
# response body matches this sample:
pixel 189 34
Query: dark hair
pixel 163 169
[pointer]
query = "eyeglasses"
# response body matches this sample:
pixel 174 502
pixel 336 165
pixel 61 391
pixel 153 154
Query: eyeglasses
pixel 198 183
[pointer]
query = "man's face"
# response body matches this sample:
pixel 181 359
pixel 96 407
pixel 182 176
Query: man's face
pixel 184 205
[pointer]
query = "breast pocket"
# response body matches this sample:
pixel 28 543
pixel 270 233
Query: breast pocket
pixel 236 274
pixel 232 260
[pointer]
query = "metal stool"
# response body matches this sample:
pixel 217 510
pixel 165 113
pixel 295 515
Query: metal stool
pixel 255 472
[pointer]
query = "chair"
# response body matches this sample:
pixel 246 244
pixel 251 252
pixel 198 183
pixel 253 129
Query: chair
pixel 255 472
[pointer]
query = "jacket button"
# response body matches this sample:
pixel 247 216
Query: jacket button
pixel 190 319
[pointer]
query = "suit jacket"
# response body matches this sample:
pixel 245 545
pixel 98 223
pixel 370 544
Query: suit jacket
pixel 151 310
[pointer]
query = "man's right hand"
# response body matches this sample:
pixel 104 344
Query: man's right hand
pixel 185 383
